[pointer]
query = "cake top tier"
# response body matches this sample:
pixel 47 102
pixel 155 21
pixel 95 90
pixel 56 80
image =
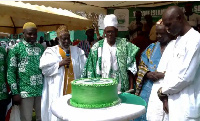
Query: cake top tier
pixel 94 82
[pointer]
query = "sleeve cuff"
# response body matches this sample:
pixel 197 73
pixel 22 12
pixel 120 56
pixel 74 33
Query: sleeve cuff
pixel 133 68
pixel 172 89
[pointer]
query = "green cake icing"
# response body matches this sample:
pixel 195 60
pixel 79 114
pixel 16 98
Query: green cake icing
pixel 94 93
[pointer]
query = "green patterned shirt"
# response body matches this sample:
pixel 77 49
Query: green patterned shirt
pixel 24 75
pixel 3 89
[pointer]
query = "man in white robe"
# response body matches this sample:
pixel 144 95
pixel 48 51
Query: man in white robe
pixel 54 74
pixel 182 78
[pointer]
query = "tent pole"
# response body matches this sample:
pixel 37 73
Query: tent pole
pixel 13 25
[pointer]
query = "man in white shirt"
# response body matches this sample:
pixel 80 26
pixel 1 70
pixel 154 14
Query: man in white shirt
pixel 180 92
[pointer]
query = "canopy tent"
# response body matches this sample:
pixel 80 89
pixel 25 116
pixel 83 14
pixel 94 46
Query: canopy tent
pixel 96 10
pixel 100 7
pixel 127 4
pixel 73 6
pixel 13 15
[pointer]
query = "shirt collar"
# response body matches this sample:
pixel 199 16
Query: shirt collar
pixel 28 44
pixel 105 40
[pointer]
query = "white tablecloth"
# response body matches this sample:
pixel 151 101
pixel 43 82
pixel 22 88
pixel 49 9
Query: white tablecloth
pixel 121 112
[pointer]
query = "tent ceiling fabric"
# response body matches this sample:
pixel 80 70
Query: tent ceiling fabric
pixel 69 5
pixel 126 4
pixel 110 4
pixel 15 14
pixel 100 7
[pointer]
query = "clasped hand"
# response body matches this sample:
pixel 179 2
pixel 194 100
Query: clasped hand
pixel 155 76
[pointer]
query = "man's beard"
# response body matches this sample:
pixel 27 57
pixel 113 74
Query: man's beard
pixel 64 48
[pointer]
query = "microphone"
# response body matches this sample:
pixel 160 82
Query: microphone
pixel 67 54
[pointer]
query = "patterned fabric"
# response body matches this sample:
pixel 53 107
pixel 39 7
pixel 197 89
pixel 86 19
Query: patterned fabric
pixel 3 89
pixel 141 73
pixel 126 52
pixel 149 62
pixel 69 74
pixel 24 76
pixel 85 46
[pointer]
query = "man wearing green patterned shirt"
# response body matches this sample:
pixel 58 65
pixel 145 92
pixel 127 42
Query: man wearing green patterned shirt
pixel 24 75
pixel 3 90
pixel 112 57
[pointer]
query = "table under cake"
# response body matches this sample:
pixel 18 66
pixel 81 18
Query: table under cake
pixel 62 109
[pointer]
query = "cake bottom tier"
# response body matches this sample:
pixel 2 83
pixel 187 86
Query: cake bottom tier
pixel 103 105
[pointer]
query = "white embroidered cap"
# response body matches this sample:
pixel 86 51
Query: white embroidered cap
pixel 110 20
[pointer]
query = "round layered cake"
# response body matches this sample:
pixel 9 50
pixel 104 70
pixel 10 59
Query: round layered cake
pixel 94 93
